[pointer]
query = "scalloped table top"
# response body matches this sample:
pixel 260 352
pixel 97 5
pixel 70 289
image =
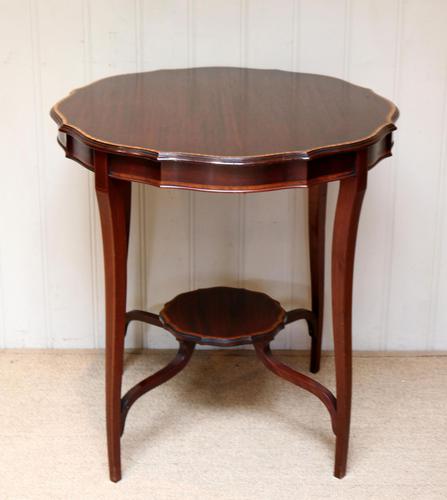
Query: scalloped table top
pixel 225 115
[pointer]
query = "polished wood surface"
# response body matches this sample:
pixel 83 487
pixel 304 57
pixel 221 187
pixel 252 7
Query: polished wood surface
pixel 181 359
pixel 232 115
pixel 113 198
pixel 265 354
pixel 223 316
pixel 317 236
pixel 347 214
pixel 225 129
pixel 229 130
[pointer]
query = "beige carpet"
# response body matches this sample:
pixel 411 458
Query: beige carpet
pixel 225 428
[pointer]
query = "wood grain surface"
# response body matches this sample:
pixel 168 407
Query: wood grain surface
pixel 223 316
pixel 229 115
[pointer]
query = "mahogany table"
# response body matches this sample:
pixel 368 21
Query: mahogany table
pixel 236 131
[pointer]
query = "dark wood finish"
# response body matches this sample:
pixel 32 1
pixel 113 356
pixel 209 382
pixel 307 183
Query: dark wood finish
pixel 347 215
pixel 223 316
pixel 229 130
pixel 297 314
pixel 217 177
pixel 114 206
pixel 323 394
pixel 144 317
pixel 225 115
pixel 225 129
pixel 317 229
pixel 175 366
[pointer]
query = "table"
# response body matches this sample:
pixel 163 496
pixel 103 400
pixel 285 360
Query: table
pixel 229 130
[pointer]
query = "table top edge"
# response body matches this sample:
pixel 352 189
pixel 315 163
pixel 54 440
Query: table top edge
pixel 376 135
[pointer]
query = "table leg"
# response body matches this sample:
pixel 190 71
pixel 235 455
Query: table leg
pixel 114 207
pixel 317 227
pixel 347 214
pixel 265 354
pixel 160 377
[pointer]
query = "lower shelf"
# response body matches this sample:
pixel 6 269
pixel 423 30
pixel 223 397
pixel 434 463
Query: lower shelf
pixel 223 316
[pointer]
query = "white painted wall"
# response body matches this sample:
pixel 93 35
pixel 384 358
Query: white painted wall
pixel 51 278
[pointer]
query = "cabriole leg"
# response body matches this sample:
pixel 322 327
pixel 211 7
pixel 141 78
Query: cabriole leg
pixel 114 207
pixel 347 214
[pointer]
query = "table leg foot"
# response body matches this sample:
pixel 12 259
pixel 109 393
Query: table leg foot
pixel 114 369
pixel 341 456
pixel 115 474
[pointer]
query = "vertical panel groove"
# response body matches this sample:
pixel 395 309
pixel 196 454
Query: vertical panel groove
pixel 295 34
pixel 90 180
pixel 439 225
pixel 244 29
pixel 141 190
pixel 2 306
pixel 390 254
pixel 191 34
pixel 241 197
pixel 293 193
pixel 39 114
pixel 191 194
pixel 347 41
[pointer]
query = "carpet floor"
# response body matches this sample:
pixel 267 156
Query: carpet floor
pixel 225 428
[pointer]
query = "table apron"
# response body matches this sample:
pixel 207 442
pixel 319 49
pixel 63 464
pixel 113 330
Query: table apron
pixel 214 177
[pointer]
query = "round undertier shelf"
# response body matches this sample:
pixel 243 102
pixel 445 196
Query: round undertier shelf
pixel 223 316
